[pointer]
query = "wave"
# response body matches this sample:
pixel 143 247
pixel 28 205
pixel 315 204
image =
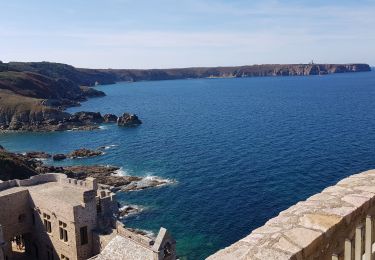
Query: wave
pixel 165 181
pixel 151 181
pixel 41 159
pixel 103 127
pixel 110 146
pixel 120 172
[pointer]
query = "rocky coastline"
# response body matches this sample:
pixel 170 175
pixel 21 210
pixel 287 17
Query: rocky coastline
pixel 34 95
pixel 55 120
pixel 23 166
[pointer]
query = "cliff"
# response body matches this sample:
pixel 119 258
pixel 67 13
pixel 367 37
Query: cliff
pixel 88 77
pixel 241 71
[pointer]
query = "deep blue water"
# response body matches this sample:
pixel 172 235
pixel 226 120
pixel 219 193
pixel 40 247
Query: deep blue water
pixel 241 150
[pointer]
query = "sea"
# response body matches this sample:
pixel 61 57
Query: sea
pixel 236 151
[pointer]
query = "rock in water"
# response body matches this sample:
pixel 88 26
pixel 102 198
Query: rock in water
pixel 110 118
pixel 38 155
pixel 127 210
pixel 59 157
pixel 87 117
pixel 83 153
pixel 128 120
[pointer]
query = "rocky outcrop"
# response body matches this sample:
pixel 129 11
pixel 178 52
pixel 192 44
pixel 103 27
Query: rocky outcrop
pixel 18 166
pixel 32 115
pixel 128 210
pixel 79 153
pixel 37 155
pixel 91 92
pixel 59 157
pixel 110 118
pixel 144 183
pixel 86 118
pixel 84 153
pixel 129 120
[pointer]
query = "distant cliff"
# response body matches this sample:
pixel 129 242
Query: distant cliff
pixel 33 95
pixel 237 72
pixel 89 77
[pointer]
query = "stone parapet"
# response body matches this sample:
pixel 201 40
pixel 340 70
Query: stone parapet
pixel 34 180
pixel 140 239
pixel 334 224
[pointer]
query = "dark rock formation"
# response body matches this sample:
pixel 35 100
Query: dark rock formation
pixel 145 183
pixel 59 157
pixel 91 92
pixel 83 153
pixel 128 120
pixel 105 175
pixel 86 118
pixel 110 118
pixel 37 155
pixel 127 210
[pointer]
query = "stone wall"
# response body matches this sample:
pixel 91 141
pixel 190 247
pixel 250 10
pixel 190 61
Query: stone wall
pixel 85 217
pixel 15 214
pixel 325 226
pixel 140 239
pixel 34 180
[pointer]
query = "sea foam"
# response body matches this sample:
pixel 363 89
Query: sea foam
pixel 120 172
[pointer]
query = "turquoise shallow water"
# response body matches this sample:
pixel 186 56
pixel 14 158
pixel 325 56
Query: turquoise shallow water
pixel 241 150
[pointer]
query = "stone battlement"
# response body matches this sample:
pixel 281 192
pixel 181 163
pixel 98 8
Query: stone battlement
pixel 337 223
pixel 88 184
pixel 34 180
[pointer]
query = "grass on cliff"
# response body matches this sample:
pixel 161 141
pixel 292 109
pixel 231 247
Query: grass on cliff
pixel 12 103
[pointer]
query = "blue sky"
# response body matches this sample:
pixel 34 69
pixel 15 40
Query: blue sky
pixel 184 33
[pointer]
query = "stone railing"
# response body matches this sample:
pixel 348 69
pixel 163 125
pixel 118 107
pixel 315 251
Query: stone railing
pixel 336 224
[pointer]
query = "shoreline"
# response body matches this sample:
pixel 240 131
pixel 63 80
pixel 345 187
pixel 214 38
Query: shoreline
pixel 26 107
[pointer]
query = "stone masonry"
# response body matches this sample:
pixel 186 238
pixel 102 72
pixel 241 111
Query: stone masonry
pixel 316 228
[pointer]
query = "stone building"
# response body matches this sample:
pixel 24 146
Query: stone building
pixel 54 217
